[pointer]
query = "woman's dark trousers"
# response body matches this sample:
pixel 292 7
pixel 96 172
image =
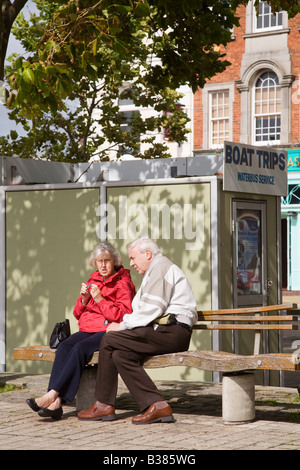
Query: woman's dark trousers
pixel 70 358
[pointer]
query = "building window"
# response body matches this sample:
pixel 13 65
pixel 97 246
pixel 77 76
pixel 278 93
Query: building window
pixel 267 115
pixel 129 113
pixel 125 98
pixel 166 130
pixel 218 118
pixel 265 20
pixel 127 126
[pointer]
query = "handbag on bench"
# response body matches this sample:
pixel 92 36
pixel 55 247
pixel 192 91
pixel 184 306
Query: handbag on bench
pixel 60 332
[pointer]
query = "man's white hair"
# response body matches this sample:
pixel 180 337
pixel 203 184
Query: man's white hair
pixel 144 244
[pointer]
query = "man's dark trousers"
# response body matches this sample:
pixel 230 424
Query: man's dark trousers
pixel 125 351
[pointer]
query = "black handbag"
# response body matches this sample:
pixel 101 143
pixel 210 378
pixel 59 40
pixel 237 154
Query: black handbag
pixel 60 332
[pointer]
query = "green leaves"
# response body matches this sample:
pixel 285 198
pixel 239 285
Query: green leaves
pixel 80 54
pixel 85 42
pixel 28 76
pixel 86 54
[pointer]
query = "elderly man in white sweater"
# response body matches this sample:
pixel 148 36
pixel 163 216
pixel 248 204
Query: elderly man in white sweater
pixel 163 313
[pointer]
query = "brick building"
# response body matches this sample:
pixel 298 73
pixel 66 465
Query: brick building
pixel 256 101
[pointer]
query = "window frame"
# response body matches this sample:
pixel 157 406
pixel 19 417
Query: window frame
pixel 267 114
pixel 262 29
pixel 127 108
pixel 218 119
pixel 206 96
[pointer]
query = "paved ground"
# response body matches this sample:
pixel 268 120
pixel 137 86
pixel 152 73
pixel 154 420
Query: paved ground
pixel 197 409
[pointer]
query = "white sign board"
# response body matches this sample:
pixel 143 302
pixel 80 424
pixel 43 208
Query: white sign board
pixel 251 169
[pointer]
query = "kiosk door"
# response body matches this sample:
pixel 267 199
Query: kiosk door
pixel 249 253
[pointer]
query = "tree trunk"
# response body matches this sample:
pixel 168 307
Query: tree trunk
pixel 8 13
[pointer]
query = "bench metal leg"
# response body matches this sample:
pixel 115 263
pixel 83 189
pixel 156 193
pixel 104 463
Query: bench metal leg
pixel 238 398
pixel 85 396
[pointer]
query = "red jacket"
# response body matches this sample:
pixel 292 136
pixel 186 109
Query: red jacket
pixel 117 291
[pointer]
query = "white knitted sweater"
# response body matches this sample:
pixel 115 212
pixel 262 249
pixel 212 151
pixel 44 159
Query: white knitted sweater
pixel 164 289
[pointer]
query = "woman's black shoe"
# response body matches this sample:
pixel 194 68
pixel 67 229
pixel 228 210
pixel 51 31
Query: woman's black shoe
pixel 33 404
pixel 54 414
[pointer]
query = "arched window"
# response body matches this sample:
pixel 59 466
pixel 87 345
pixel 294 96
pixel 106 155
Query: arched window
pixel 267 113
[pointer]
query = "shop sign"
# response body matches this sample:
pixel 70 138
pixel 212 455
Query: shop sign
pixel 255 170
pixel 293 160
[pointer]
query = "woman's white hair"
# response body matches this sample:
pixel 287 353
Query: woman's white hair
pixel 144 244
pixel 102 248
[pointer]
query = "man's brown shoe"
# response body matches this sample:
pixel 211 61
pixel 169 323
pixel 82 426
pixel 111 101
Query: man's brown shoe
pixel 97 412
pixel 155 415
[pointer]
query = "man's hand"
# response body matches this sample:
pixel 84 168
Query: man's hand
pixel 113 327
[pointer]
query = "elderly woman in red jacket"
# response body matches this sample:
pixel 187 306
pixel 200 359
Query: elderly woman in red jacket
pixel 105 298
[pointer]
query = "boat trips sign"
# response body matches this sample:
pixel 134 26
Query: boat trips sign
pixel 251 169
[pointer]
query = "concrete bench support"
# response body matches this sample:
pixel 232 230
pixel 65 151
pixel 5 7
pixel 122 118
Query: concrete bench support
pixel 238 398
pixel 85 396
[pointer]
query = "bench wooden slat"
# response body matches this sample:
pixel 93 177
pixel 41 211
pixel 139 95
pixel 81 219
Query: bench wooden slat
pixel 248 310
pixel 216 361
pixel 34 353
pixel 240 326
pixel 267 318
pixel 219 361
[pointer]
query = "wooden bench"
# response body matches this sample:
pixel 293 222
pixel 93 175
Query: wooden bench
pixel 238 383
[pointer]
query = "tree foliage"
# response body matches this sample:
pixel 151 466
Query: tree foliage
pixel 81 53
pixel 67 117
pixel 182 35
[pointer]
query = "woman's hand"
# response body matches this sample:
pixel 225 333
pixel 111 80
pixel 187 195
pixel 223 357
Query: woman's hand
pixel 96 293
pixel 85 293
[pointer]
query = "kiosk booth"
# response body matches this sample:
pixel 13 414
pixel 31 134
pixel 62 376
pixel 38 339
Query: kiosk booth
pixel 222 227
